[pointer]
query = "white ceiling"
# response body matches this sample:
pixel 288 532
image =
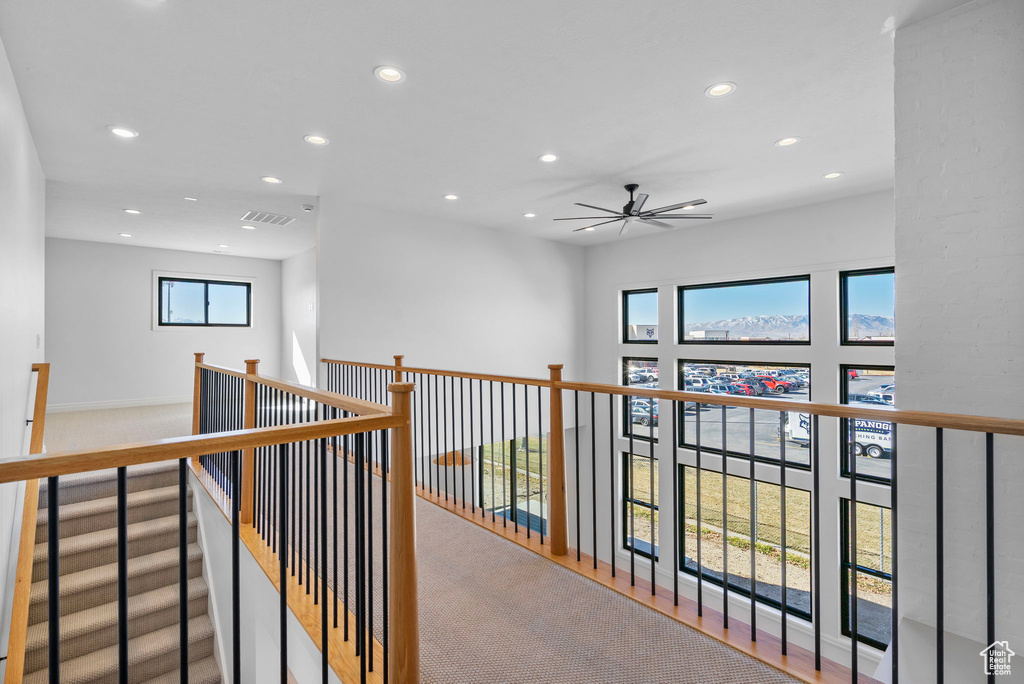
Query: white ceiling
pixel 223 91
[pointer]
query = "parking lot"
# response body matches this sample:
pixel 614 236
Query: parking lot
pixel 767 427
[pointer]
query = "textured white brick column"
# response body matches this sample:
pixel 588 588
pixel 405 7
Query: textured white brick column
pixel 960 314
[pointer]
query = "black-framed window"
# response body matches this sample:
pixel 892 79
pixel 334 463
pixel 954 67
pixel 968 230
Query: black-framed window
pixel 867 306
pixel 640 414
pixel 640 504
pixel 789 382
pixel 640 316
pixel 764 529
pixel 766 311
pixel 868 440
pixel 214 303
pixel 874 572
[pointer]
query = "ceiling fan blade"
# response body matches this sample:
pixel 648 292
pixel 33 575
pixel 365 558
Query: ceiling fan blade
pixel 638 204
pixel 576 230
pixel 662 210
pixel 591 206
pixel 624 229
pixel 681 216
pixel 578 218
pixel 659 224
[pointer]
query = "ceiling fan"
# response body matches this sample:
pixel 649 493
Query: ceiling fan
pixel 634 212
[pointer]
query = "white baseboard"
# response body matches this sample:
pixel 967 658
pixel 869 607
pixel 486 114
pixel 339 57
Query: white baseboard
pixel 127 403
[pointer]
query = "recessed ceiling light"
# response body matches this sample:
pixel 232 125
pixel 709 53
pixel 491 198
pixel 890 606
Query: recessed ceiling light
pixel 124 235
pixel 786 142
pixel 191 199
pixel 248 227
pixel 530 215
pixel 720 89
pixel 834 174
pixel 389 74
pixel 316 140
pixel 272 180
pixel 131 211
pixel 224 246
pixel 548 157
pixel 589 228
pixel 451 197
pixel 122 132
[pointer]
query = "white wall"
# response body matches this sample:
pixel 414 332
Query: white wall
pixel 445 295
pixel 99 315
pixel 22 188
pixel 298 318
pixel 960 294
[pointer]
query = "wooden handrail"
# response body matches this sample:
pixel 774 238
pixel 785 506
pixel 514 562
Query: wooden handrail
pixel 50 465
pixel 511 379
pixel 333 399
pixel 27 542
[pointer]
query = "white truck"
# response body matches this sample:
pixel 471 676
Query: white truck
pixel 872 438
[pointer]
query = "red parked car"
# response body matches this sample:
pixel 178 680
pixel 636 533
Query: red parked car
pixel 748 389
pixel 774 385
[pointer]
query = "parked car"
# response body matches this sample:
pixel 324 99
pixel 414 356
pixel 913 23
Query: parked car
pixel 632 378
pixel 753 388
pixel 852 373
pixel 794 378
pixel 643 417
pixel 741 389
pixel 774 385
pixel 696 384
pixel 718 388
pixel 866 399
pixel 648 374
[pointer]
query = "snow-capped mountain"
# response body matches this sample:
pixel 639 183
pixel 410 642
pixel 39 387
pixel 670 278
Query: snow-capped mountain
pixel 794 327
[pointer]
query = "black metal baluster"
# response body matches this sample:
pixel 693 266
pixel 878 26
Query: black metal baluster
pixel 296 474
pixel 526 442
pixel 753 527
pixel 782 525
pixel 632 522
pixel 593 473
pixel 182 569
pixel 122 575
pixel 940 613
pixel 437 440
pixel 310 498
pixel 303 491
pixel 478 451
pixel 725 519
pixel 576 476
pixel 318 521
pixel 816 542
pixel 344 530
pixel 675 500
pixel 334 506
pixel 444 421
pixel 462 435
pixel 504 469
pixel 236 582
pixel 700 497
pixel 894 490
pixel 384 552
pixel 540 458
pixel 611 477
pixel 324 642
pixel 282 530
pixel 854 651
pixel 490 391
pixel 369 549
pixel 650 472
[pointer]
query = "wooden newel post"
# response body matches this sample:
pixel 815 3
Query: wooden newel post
pixel 249 455
pixel 556 469
pixel 197 390
pixel 398 370
pixel 404 610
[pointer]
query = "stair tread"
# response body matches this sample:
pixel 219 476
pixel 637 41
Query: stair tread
pixel 106 504
pixel 108 537
pixel 91 578
pixel 205 671
pixel 105 615
pixel 103 662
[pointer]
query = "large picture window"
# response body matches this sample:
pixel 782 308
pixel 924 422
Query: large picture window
pixel 214 303
pixel 790 382
pixel 774 311
pixel 640 504
pixel 868 440
pixel 640 414
pixel 867 301
pixel 874 572
pixel 640 316
pixel 731 541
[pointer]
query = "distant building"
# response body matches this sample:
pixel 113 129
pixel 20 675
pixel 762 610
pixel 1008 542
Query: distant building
pixel 708 334
pixel 643 332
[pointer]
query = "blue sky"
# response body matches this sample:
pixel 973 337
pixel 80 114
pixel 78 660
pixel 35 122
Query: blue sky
pixel 871 295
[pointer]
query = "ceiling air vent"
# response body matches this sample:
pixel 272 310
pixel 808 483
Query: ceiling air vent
pixel 265 217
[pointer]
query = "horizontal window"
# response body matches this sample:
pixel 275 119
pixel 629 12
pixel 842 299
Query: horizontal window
pixel 868 440
pixel 874 572
pixel 189 302
pixel 640 414
pixel 749 534
pixel 775 311
pixel 743 427
pixel 868 306
pixel 640 316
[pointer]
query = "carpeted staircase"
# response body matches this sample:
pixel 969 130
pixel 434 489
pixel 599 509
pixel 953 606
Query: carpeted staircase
pixel 88 583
